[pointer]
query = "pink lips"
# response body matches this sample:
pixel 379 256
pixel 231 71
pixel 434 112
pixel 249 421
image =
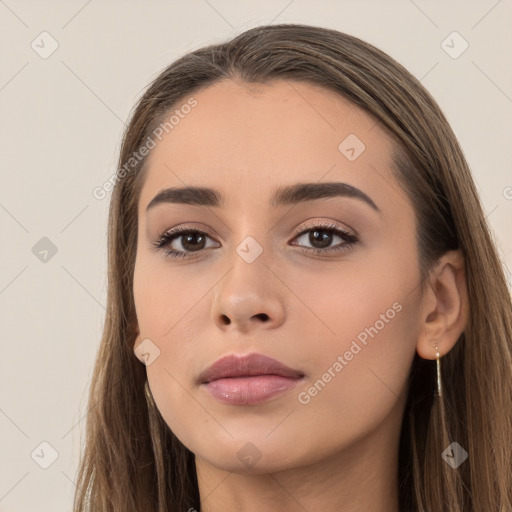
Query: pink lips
pixel 249 379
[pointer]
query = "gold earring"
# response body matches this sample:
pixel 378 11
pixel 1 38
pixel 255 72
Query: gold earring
pixel 438 366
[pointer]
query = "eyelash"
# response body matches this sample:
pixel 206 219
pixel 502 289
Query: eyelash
pixel 169 236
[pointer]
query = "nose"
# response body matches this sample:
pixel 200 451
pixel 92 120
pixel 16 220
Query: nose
pixel 249 297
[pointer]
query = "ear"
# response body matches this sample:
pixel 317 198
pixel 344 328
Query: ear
pixel 445 310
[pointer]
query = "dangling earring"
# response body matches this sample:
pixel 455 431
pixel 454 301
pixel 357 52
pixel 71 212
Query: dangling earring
pixel 438 391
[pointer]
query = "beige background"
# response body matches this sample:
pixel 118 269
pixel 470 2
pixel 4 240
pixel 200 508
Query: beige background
pixel 62 119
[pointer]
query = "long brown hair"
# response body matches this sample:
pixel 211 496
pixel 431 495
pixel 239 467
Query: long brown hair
pixel 132 462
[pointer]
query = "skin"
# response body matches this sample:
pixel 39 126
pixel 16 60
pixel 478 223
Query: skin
pixel 340 450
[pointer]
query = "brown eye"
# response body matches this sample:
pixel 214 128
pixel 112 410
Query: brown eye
pixel 182 242
pixel 321 237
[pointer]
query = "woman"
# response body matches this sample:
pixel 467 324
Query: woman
pixel 305 308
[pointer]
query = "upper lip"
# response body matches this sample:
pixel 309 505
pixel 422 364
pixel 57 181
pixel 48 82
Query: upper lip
pixel 246 366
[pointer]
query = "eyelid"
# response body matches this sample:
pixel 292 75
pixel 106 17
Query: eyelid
pixel 177 230
pixel 310 224
pixel 326 224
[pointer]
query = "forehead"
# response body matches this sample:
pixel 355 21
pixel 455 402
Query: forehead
pixel 246 139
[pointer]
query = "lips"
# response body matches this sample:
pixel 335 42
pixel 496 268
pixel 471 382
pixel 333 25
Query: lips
pixel 247 366
pixel 248 380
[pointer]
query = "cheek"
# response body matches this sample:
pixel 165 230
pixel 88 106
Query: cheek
pixel 363 325
pixel 353 299
pixel 167 299
pixel 168 305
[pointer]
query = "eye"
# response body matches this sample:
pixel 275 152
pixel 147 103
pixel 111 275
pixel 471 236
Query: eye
pixel 321 236
pixel 189 239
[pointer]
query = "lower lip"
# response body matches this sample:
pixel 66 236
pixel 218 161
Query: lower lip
pixel 249 390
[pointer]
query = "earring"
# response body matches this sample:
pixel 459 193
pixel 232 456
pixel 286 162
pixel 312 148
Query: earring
pixel 438 366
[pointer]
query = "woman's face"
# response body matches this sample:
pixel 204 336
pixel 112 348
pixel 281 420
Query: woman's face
pixel 266 276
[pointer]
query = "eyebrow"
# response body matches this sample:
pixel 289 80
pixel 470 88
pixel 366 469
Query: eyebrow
pixel 284 195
